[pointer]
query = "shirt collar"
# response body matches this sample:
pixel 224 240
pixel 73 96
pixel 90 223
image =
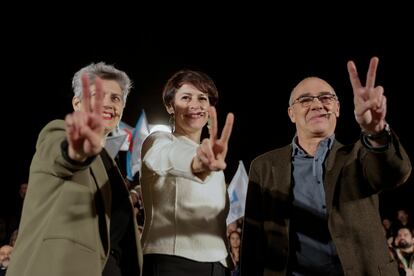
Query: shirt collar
pixel 297 150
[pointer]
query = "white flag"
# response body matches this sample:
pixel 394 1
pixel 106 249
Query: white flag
pixel 113 144
pixel 120 139
pixel 237 192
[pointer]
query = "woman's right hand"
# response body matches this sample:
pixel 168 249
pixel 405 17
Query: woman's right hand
pixel 211 154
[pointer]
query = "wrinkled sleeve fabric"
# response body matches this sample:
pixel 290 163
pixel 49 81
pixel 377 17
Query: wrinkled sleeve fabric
pixel 170 155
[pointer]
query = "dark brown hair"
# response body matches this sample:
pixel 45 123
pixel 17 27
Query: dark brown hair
pixel 199 80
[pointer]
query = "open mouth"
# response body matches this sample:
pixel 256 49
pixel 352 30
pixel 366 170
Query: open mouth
pixel 108 115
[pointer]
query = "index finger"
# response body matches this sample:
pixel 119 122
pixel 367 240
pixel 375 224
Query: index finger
pixel 372 72
pixel 213 124
pixel 225 134
pixel 353 75
pixel 85 101
pixel 98 104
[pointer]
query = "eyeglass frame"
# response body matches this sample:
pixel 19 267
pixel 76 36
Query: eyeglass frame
pixel 333 96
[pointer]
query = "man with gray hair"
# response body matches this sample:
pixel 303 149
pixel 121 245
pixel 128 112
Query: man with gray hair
pixel 77 216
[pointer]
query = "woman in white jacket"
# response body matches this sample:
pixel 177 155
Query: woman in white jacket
pixel 184 190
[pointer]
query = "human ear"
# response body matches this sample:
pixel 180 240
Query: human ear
pixel 291 114
pixel 170 109
pixel 76 103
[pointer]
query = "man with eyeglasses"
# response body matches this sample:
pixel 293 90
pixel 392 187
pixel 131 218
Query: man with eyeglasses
pixel 312 206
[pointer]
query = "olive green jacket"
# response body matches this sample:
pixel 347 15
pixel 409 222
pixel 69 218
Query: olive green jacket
pixel 59 233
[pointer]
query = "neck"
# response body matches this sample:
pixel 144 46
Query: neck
pixel 103 140
pixel 195 136
pixel 310 145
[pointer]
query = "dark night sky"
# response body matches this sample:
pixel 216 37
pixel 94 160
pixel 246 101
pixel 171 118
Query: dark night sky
pixel 254 62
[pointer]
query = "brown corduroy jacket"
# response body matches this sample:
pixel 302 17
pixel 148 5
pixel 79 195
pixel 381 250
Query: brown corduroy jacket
pixel 353 178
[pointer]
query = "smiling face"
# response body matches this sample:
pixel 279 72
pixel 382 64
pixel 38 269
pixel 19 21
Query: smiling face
pixel 190 109
pixel 314 117
pixel 113 103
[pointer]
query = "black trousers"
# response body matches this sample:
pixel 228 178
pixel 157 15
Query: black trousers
pixel 167 265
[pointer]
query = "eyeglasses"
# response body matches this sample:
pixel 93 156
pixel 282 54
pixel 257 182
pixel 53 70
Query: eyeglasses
pixel 325 99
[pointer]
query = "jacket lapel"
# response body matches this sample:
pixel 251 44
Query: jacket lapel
pixel 102 182
pixel 282 170
pixel 333 166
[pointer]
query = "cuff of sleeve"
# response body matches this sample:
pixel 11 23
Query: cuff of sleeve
pixel 64 147
pixel 365 142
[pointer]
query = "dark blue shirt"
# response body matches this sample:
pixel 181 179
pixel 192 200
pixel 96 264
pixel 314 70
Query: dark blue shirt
pixel 312 247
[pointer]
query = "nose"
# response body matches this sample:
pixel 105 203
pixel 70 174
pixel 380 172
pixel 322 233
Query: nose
pixel 108 104
pixel 195 104
pixel 106 98
pixel 316 104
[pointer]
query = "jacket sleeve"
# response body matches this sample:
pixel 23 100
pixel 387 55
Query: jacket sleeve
pixel 51 153
pixel 253 236
pixel 165 155
pixel 386 169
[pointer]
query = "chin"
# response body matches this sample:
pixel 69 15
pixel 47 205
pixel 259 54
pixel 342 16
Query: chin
pixel 196 126
pixel 108 129
pixel 320 133
pixel 321 128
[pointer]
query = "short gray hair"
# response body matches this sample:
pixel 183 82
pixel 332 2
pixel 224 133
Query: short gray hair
pixel 103 71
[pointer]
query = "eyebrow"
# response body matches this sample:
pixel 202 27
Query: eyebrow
pixel 191 94
pixel 320 93
pixel 108 92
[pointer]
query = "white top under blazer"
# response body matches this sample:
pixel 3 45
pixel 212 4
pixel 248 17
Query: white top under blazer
pixel 184 215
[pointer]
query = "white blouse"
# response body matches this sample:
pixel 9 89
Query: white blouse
pixel 184 215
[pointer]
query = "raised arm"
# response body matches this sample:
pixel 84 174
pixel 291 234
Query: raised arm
pixel 369 100
pixel 84 127
pixel 212 152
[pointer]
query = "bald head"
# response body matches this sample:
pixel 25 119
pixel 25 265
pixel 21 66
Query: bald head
pixel 307 85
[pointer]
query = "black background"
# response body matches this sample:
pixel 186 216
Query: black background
pixel 255 53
